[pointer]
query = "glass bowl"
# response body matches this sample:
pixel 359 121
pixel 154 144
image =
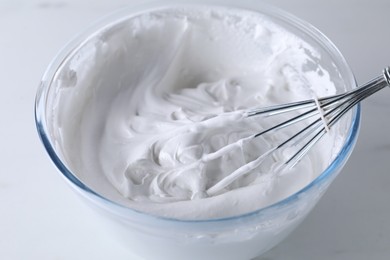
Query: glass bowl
pixel 152 237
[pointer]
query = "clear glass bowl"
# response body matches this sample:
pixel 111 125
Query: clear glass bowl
pixel 240 237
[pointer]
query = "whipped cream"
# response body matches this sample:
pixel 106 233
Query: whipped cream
pixel 151 101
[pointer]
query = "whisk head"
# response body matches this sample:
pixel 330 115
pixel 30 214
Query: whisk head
pixel 317 115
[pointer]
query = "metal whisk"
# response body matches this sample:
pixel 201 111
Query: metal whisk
pixel 328 111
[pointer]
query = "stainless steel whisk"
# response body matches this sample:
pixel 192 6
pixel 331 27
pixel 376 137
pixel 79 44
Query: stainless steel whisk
pixel 328 111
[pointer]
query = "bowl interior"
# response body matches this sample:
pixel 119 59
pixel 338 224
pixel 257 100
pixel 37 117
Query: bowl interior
pixel 62 80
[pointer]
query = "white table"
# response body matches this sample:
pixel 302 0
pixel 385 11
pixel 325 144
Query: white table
pixel 41 218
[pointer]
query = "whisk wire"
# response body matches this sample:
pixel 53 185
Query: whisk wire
pixel 350 100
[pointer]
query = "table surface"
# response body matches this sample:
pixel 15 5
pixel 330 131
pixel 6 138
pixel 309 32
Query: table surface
pixel 41 218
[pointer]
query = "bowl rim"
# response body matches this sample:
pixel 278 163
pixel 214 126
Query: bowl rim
pixel 134 9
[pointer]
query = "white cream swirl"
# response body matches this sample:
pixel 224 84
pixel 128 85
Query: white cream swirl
pixel 146 107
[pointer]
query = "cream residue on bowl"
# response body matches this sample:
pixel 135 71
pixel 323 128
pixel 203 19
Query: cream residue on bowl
pixel 136 110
